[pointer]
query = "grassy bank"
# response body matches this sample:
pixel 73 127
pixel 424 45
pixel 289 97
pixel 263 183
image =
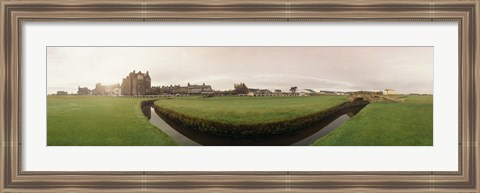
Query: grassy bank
pixel 100 121
pixel 409 123
pixel 249 110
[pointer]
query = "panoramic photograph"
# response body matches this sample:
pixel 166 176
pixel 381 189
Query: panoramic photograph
pixel 239 96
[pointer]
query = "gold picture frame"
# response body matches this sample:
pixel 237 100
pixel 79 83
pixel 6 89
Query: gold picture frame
pixel 14 12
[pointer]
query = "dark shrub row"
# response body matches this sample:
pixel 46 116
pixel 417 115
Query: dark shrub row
pixel 252 130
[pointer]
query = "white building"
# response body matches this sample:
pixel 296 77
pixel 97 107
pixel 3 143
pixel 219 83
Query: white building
pixel 389 92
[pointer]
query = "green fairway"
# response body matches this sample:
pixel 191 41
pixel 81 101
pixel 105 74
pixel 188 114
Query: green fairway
pixel 117 121
pixel 250 110
pixel 100 121
pixel 408 123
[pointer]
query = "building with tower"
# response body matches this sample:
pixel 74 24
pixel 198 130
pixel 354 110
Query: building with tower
pixel 136 83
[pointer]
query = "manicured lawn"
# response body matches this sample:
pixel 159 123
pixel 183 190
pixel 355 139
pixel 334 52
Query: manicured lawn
pixel 100 121
pixel 247 110
pixel 409 123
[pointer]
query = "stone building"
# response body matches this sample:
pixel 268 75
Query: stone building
pixel 61 92
pixel 84 91
pixel 199 89
pixel 190 89
pixel 136 83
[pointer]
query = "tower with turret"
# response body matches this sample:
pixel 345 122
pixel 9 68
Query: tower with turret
pixel 136 83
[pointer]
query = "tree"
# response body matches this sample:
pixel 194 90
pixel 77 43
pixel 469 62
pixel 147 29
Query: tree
pixel 293 89
pixel 240 88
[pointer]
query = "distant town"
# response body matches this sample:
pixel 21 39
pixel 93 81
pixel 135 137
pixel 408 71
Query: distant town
pixel 139 84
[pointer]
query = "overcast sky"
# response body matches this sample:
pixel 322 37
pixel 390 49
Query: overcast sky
pixel 405 69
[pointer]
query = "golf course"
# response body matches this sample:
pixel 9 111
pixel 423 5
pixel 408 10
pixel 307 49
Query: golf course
pixel 77 120
pixel 100 121
pixel 407 123
pixel 249 110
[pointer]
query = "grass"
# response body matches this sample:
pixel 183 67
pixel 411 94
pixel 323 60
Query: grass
pixel 250 110
pixel 409 123
pixel 100 121
pixel 115 121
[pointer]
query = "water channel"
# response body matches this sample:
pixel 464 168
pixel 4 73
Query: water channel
pixel 304 137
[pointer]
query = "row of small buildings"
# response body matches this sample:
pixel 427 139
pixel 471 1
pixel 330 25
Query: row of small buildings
pixel 308 92
pixel 252 92
pixel 138 84
pixel 383 92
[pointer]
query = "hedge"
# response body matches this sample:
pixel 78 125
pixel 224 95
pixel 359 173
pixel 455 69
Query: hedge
pixel 253 130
